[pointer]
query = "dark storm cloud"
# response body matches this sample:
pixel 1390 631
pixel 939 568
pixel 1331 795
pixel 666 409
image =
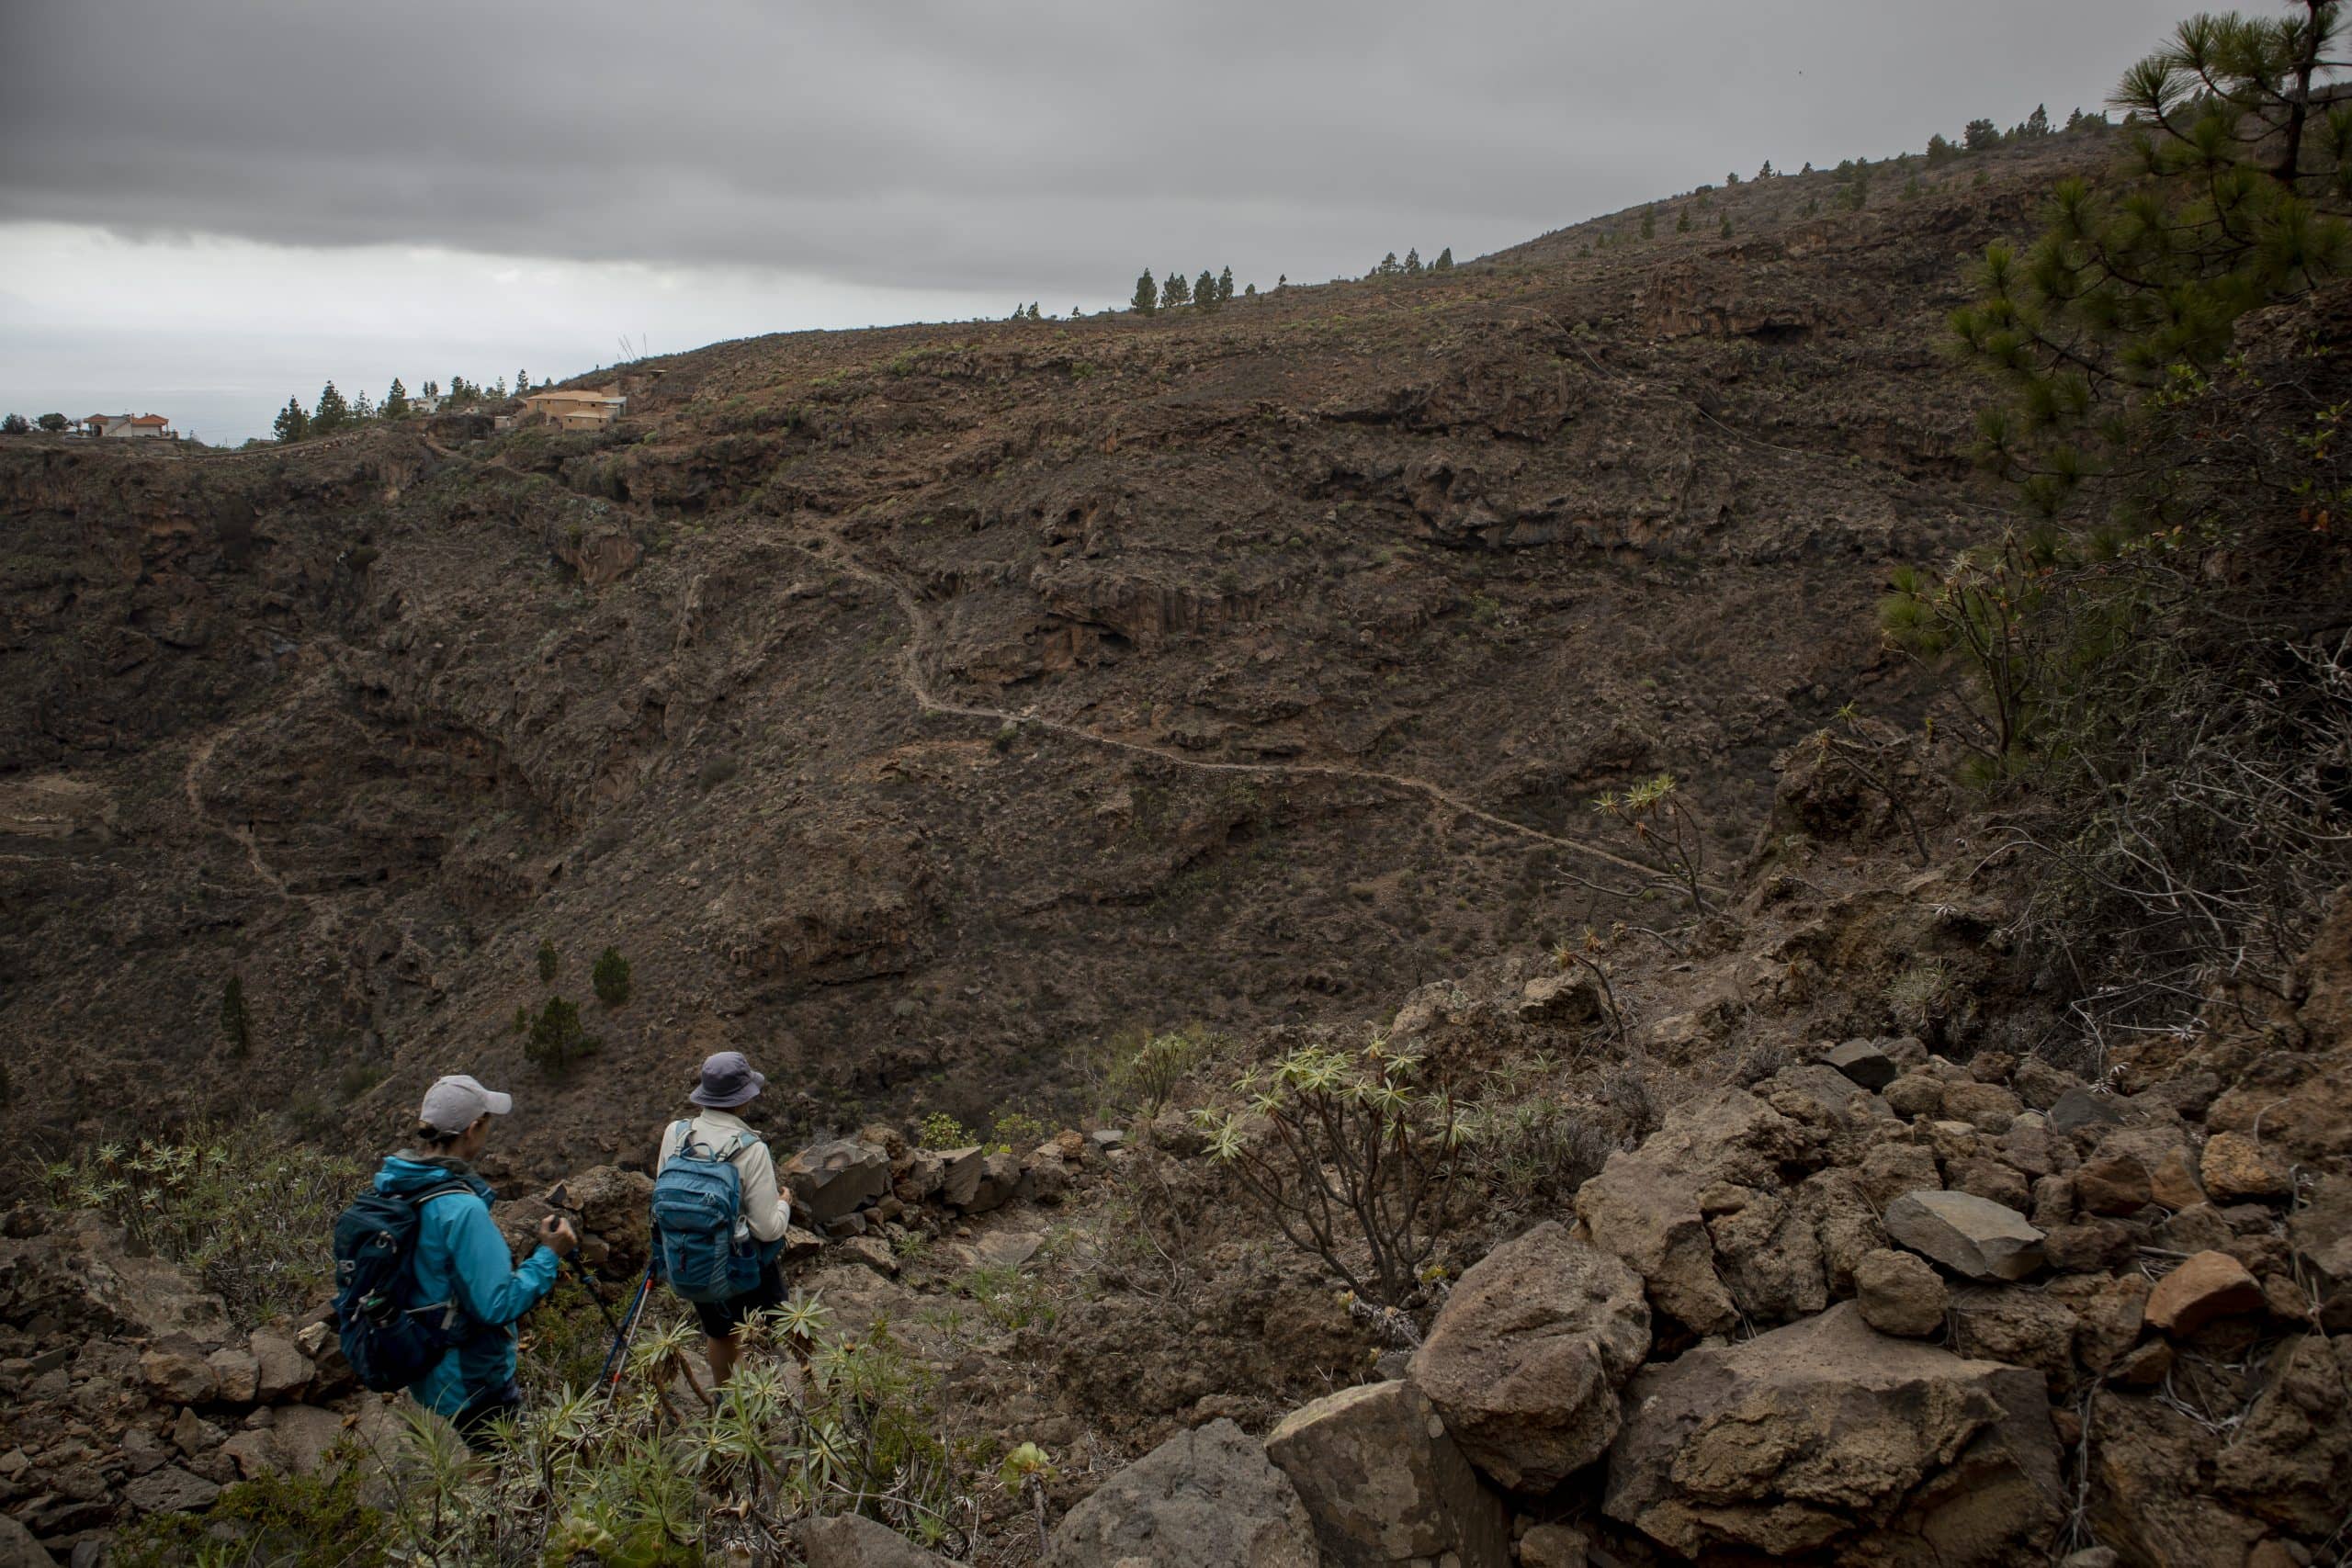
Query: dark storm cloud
pixel 1043 147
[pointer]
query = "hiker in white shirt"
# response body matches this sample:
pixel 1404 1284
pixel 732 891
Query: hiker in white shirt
pixel 728 1082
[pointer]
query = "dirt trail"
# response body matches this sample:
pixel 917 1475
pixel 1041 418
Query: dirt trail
pixel 911 676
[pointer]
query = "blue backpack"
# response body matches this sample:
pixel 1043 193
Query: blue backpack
pixel 388 1346
pixel 697 1198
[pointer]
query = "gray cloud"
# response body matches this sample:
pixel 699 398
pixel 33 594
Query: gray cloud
pixel 1045 148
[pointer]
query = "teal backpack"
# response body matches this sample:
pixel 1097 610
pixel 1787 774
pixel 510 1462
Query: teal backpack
pixel 697 1198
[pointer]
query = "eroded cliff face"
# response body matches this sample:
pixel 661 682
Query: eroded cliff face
pixel 907 705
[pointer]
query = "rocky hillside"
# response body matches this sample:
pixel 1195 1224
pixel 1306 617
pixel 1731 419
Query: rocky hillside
pixel 913 708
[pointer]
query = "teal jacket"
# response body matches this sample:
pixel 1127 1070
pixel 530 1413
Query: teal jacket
pixel 461 1256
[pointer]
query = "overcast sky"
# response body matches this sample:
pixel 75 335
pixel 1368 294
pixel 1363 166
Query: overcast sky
pixel 206 206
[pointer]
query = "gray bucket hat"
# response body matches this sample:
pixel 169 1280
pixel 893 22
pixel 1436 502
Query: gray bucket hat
pixel 728 1081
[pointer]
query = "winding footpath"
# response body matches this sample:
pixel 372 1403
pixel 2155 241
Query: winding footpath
pixel 911 676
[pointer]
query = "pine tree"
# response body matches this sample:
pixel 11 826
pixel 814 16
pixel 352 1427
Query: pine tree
pixel 549 962
pixel 1412 263
pixel 1175 292
pixel 362 411
pixel 522 383
pixel 2037 124
pixel 292 423
pixel 1766 172
pixel 1146 299
pixel 1649 223
pixel 396 403
pixel 1732 178
pixel 2240 202
pixel 331 414
pixel 1682 222
pixel 432 391
pixel 1389 266
pixel 1249 293
pixel 498 390
pixel 1812 206
pixel 16 425
pixel 557 1040
pixel 1941 150
pixel 1726 228
pixel 610 977
pixel 1034 314
pixel 236 1023
pixel 1981 136
pixel 1224 285
pixel 1205 290
pixel 1445 261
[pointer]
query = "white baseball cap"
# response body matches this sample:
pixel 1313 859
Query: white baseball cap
pixel 456 1103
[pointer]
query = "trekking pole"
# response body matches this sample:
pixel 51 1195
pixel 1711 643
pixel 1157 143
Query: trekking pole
pixel 624 1332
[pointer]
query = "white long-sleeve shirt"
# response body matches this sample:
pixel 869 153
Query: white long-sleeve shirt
pixel 765 1212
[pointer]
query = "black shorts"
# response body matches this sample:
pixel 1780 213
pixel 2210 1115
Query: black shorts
pixel 721 1319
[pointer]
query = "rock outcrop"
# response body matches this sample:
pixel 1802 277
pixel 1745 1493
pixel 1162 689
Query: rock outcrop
pixel 1828 1437
pixel 1208 1498
pixel 1386 1483
pixel 1525 1359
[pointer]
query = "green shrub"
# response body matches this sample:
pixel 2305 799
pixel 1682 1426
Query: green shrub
pixel 245 1208
pixel 1352 1156
pixel 941 1131
pixel 611 978
pixel 275 1521
pixel 551 962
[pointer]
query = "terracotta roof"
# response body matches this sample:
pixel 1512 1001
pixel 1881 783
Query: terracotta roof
pixel 151 419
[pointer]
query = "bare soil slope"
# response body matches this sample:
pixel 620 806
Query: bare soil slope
pixel 911 704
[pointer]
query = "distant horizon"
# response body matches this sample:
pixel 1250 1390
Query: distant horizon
pixel 224 211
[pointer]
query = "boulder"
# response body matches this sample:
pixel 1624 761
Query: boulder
pixel 925 1173
pixel 1768 1257
pixel 1844 1221
pixel 1826 1434
pixel 1568 997
pixel 236 1375
pixel 1526 1356
pixel 2233 1169
pixel 2109 1312
pixel 1914 1094
pixel 834 1179
pixel 82 1271
pixel 615 1207
pixel 1889 1169
pixel 175 1367
pixel 2112 1184
pixel 1206 1498
pixel 2038 1084
pixel 2151 1491
pixel 2289 1462
pixel 19 1550
pixel 1864 1062
pixel 2094 1246
pixel 1386 1483
pixel 1552 1546
pixel 1899 1293
pixel 2079 1108
pixel 852 1540
pixel 2021 1326
pixel 284 1370
pixel 2209 1286
pixel 1643 1206
pixel 1986 1106
pixel 2322 1231
pixel 170 1490
pixel 1968 1235
pixel 2172 1182
pixel 977 1182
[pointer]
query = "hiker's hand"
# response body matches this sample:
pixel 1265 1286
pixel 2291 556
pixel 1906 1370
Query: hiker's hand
pixel 556 1235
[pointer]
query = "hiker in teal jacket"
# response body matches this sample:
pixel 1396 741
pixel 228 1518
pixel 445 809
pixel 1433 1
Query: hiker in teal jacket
pixel 461 1256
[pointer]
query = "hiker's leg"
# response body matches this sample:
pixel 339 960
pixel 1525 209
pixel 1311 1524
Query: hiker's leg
pixel 722 1353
